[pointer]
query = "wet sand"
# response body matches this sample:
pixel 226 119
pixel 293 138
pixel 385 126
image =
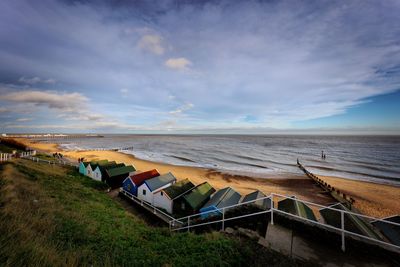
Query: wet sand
pixel 372 199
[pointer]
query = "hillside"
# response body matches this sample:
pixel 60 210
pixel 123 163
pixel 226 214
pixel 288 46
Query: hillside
pixel 51 215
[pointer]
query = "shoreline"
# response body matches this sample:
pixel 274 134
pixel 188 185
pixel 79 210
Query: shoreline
pixel 371 198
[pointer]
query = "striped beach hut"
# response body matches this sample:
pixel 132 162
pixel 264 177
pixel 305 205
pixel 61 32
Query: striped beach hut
pixel 165 198
pixel 148 187
pixel 221 199
pixel 195 199
pixel 131 183
pixel 295 207
pixel 115 176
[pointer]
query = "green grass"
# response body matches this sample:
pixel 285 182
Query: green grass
pixel 52 216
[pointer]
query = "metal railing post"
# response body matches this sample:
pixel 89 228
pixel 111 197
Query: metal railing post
pixel 188 224
pixel 223 219
pixel 272 209
pixel 343 240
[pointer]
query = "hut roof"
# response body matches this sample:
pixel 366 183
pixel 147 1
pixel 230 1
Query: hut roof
pixel 176 190
pixel 264 203
pixel 120 170
pixel 95 163
pixel 139 178
pixel 199 195
pixel 295 207
pixel 160 181
pixel 352 222
pixel 253 196
pixel 391 231
pixel 224 198
pixel 85 163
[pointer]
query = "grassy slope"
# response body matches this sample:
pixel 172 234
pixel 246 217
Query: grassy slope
pixel 54 216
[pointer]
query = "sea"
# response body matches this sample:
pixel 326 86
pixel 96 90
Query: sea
pixel 367 158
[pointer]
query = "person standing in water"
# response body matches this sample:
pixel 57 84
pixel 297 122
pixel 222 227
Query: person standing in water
pixel 322 154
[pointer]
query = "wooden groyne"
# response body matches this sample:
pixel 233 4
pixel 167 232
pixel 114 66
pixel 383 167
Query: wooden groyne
pixel 334 192
pixel 105 149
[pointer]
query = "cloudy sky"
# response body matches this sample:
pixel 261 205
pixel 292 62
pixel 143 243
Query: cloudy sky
pixel 200 66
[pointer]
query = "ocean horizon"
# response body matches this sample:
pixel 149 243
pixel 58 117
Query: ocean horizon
pixel 367 158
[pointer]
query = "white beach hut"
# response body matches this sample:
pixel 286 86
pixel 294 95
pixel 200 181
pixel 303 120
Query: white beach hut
pixel 147 189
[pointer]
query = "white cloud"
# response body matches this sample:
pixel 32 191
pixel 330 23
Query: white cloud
pixel 35 80
pixel 70 102
pixel 23 119
pixel 152 43
pixel 32 80
pixel 182 109
pixel 180 63
pixel 124 91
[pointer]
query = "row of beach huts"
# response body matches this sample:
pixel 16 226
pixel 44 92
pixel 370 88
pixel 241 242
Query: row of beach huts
pixel 183 198
pixel 178 198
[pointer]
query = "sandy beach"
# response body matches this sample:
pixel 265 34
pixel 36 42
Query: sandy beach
pixel 372 199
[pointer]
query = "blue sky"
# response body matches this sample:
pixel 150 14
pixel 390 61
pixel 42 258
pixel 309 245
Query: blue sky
pixel 199 66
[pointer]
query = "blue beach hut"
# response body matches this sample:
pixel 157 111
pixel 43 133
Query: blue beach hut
pixel 223 198
pixel 131 183
pixel 82 167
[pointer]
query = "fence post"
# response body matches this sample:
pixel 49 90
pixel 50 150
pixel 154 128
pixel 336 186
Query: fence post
pixel 223 219
pixel 343 240
pixel 272 209
pixel 188 224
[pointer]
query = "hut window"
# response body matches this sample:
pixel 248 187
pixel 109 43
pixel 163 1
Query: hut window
pixel 183 205
pixel 129 187
pixel 144 191
pixel 162 193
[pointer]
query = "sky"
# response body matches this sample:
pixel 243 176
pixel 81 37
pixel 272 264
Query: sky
pixel 199 66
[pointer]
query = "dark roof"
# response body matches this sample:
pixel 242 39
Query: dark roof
pixel 253 196
pixel 262 203
pixel 391 231
pixel 295 207
pixel 95 163
pixel 120 171
pixel 224 198
pixel 352 222
pixel 176 190
pixel 199 195
pixel 160 181
pixel 103 166
pixel 85 163
pixel 139 178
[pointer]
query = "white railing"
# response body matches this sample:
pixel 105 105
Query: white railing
pixel 154 209
pixel 51 162
pixel 5 156
pixel 272 210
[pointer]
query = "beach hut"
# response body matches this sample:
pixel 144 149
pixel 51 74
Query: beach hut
pixel 115 176
pixel 264 203
pixel 164 198
pixel 352 223
pixel 192 201
pixel 145 191
pixel 295 207
pixel 221 199
pixel 101 167
pixel 131 183
pixel 89 170
pixel 94 165
pixel 82 167
pixel 390 231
